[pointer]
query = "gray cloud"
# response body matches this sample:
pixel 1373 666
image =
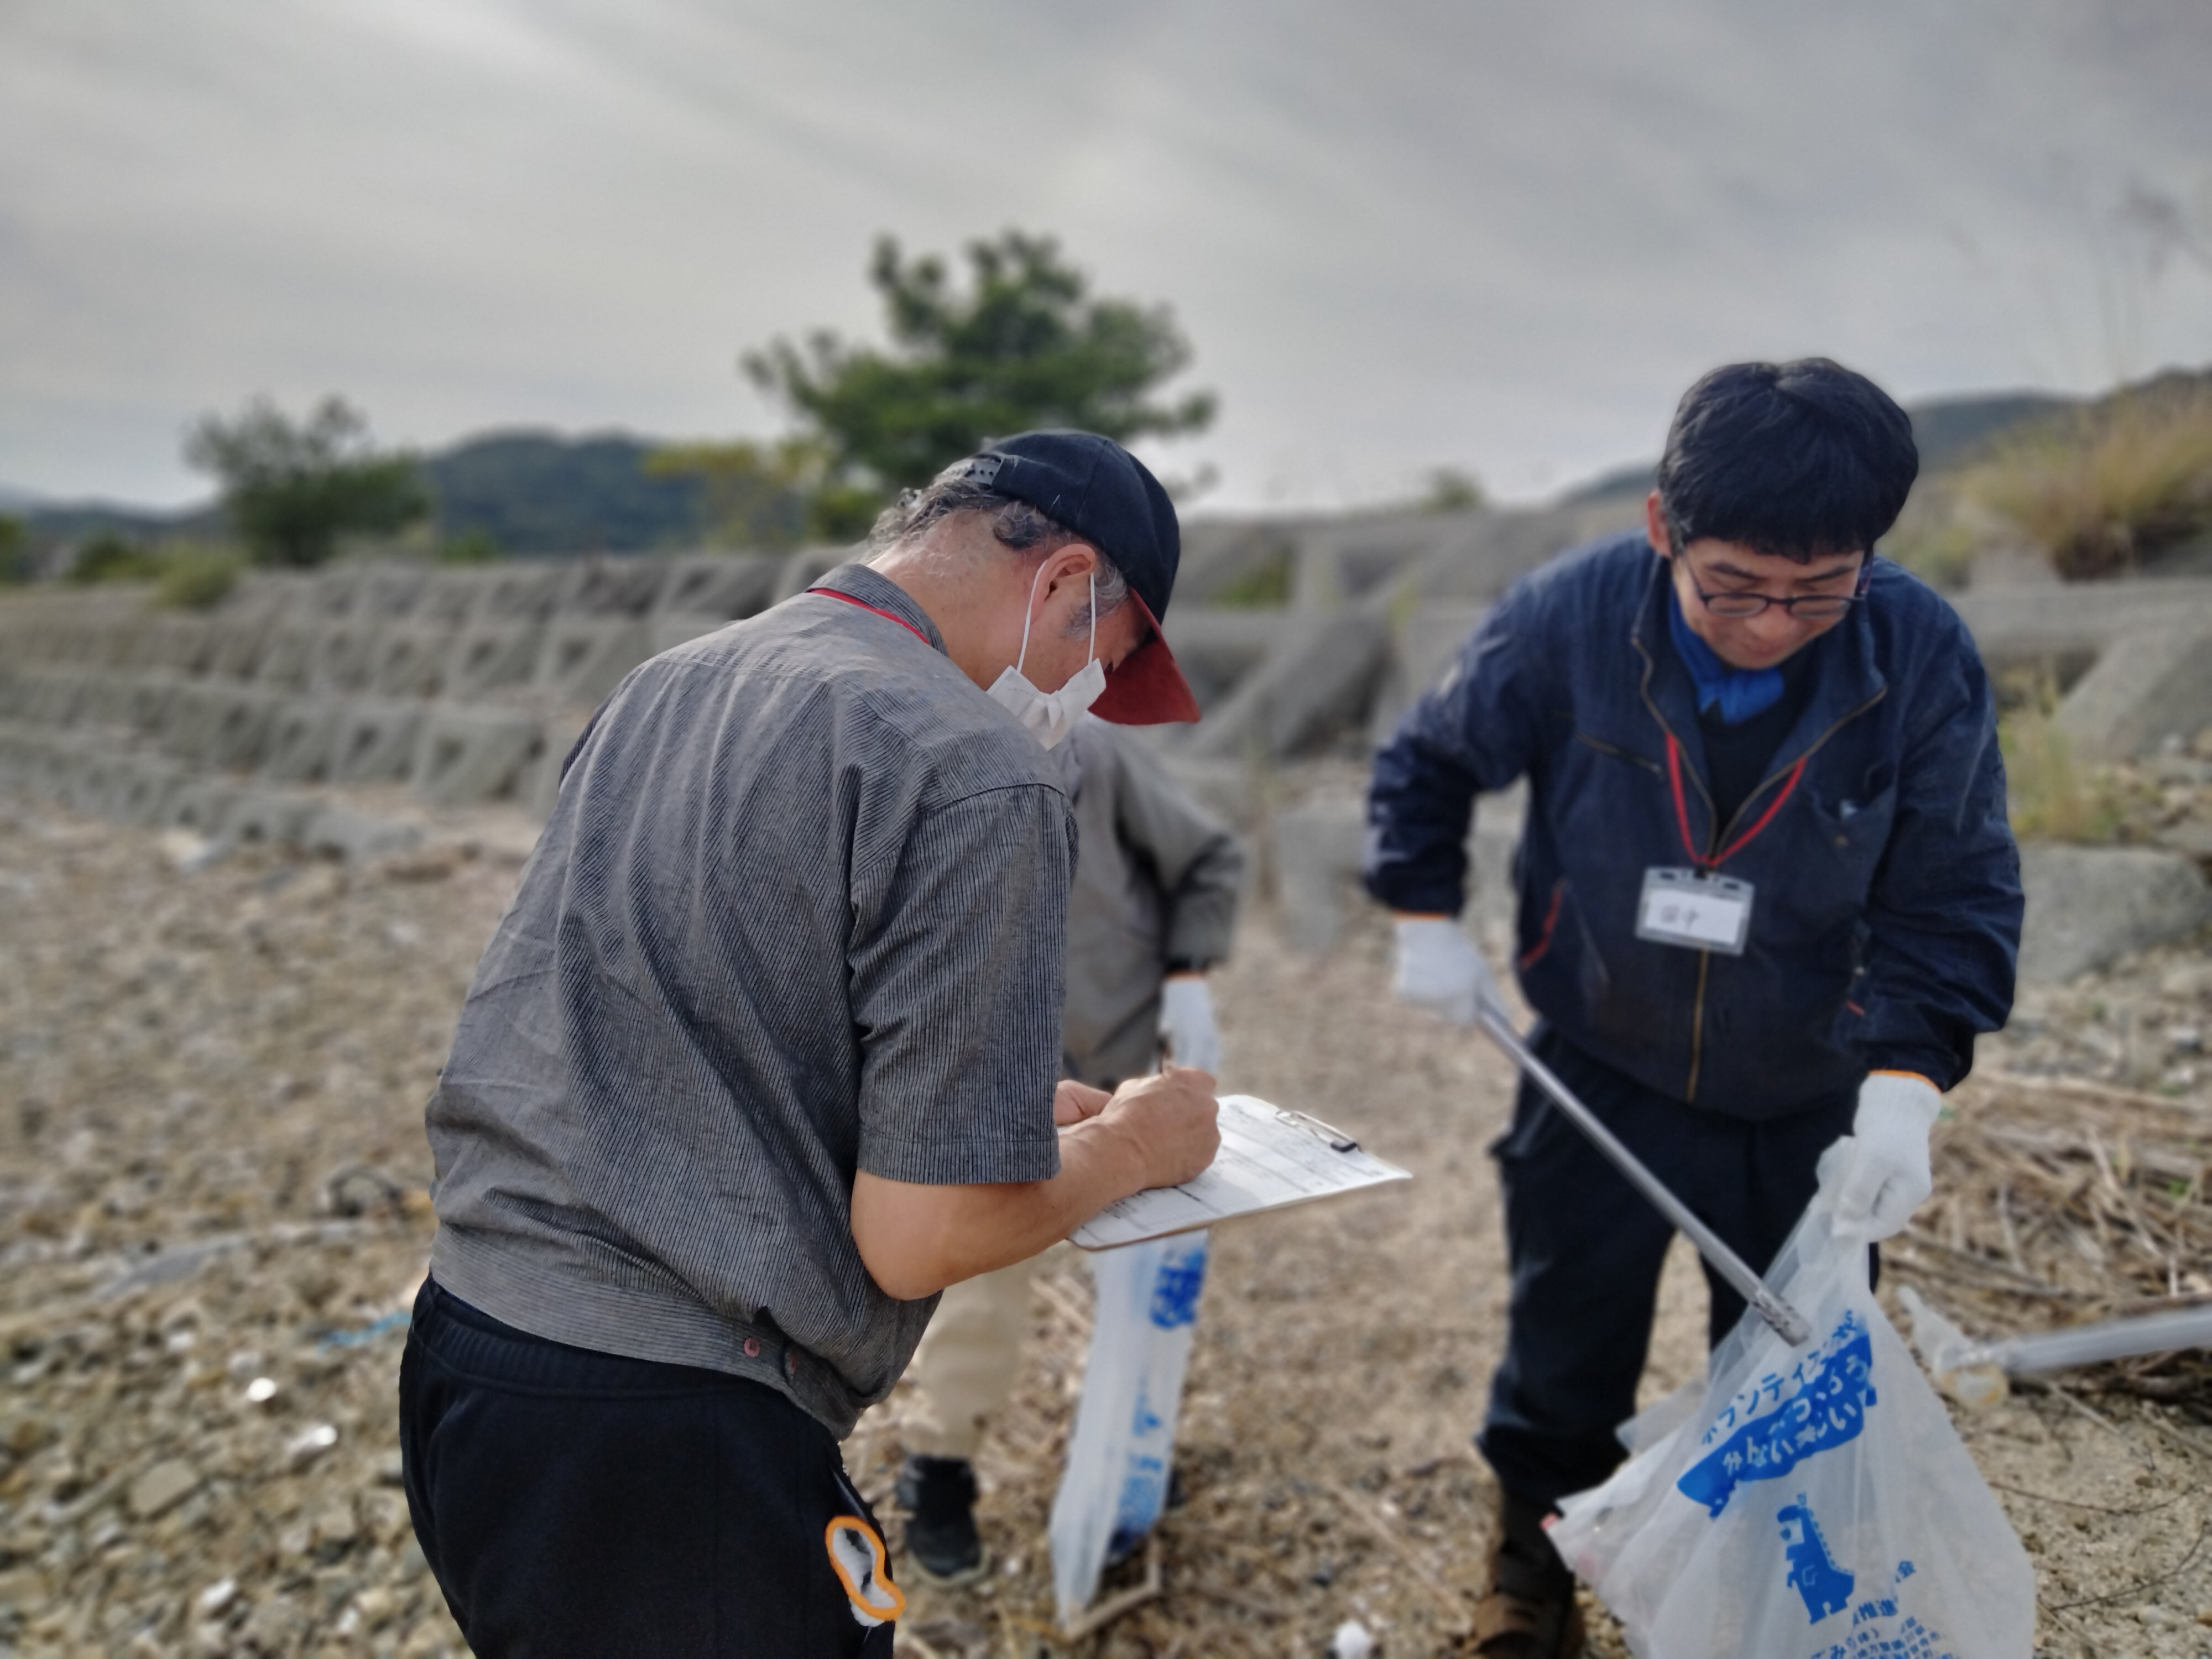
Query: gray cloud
pixel 1401 234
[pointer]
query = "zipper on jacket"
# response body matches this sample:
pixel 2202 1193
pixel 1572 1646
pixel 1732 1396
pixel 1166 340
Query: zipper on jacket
pixel 1719 838
pixel 1619 753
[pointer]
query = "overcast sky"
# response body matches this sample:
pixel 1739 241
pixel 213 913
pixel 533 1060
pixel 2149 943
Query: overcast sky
pixel 1502 237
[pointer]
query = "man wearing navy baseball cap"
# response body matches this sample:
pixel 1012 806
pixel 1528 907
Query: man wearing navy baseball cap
pixel 765 1054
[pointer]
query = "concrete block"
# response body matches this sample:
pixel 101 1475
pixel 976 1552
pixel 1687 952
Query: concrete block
pixel 354 835
pixel 374 741
pixel 240 724
pixel 452 597
pixel 53 766
pixel 1315 851
pixel 670 629
pixel 725 586
pixel 585 658
pixel 615 588
pixel 1218 647
pixel 177 644
pixel 2150 689
pixel 55 695
pixel 188 719
pixel 2031 624
pixel 147 702
pixel 93 775
pixel 289 655
pixel 409 660
pixel 2088 906
pixel 301 735
pixel 1423 643
pixel 240 641
pixel 144 790
pixel 1226 788
pixel 1318 677
pixel 470 754
pixel 801 570
pixel 343 657
pixel 523 590
pixel 107 702
pixel 201 805
pixel 277 817
pixel 486 655
pixel 387 589
pixel 540 785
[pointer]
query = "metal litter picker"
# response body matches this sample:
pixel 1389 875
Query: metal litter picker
pixel 1788 1322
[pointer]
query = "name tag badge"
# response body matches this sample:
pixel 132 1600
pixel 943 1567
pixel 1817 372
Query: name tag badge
pixel 1695 910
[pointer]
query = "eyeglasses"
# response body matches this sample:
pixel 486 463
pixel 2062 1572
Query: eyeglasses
pixel 1806 607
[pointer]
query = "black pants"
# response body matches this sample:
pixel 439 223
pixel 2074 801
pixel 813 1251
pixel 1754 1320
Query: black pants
pixel 574 1502
pixel 1586 1249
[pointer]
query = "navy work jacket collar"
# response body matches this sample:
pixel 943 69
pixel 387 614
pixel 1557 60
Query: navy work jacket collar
pixel 1846 683
pixel 879 593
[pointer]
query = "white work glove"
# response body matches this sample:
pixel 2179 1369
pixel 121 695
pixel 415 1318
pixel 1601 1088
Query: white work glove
pixel 1886 1177
pixel 1186 1023
pixel 1440 970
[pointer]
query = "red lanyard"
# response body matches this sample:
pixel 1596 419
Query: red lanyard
pixel 1682 810
pixel 832 593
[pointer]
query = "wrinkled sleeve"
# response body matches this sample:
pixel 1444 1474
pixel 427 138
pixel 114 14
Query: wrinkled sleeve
pixel 958 971
pixel 1944 914
pixel 1199 864
pixel 1475 733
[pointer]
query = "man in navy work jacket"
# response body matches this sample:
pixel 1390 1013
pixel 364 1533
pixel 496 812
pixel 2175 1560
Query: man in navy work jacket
pixel 1768 895
pixel 765 1054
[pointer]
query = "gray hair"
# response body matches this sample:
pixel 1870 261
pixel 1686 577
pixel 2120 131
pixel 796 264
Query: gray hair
pixel 1022 529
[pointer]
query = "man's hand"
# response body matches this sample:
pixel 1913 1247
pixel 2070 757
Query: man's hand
pixel 1187 1022
pixel 1170 1120
pixel 1886 1177
pixel 1440 970
pixel 1072 1101
pixel 915 1238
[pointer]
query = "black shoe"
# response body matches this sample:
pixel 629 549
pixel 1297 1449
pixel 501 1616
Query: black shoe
pixel 938 1495
pixel 1528 1609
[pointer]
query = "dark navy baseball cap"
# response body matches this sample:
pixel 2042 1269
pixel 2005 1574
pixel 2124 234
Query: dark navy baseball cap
pixel 1106 496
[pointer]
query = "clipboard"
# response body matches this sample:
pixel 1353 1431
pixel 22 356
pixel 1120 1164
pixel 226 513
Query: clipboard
pixel 1271 1158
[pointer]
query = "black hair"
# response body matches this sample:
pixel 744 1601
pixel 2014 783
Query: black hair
pixel 1805 459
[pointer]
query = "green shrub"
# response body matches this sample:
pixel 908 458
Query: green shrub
pixel 198 578
pixel 1265 587
pixel 2048 795
pixel 108 557
pixel 470 547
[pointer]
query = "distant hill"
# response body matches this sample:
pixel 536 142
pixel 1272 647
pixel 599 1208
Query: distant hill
pixel 531 492
pixel 535 492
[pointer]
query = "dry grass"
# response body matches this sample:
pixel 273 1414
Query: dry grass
pixel 2104 491
pixel 2049 796
pixel 2062 1203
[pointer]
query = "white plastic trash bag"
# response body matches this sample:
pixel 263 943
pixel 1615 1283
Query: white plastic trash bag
pixel 1814 1505
pixel 1119 1456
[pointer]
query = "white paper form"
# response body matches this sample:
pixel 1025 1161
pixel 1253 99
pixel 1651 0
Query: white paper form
pixel 1269 1159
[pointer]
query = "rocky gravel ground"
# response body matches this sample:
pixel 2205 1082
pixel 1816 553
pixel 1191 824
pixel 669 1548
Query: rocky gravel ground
pixel 211 1221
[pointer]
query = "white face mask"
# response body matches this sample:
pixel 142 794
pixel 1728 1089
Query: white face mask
pixel 1050 716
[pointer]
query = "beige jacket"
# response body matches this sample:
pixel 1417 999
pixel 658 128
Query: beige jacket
pixel 1156 880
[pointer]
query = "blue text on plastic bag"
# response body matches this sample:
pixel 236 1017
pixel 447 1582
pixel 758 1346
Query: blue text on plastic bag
pixel 1822 1403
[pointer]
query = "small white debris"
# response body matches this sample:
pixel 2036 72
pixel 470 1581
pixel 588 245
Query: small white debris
pixel 261 1390
pixel 1350 1641
pixel 218 1596
pixel 311 1443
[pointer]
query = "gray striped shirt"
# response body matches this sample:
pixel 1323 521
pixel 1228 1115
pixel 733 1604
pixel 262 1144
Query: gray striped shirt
pixel 800 910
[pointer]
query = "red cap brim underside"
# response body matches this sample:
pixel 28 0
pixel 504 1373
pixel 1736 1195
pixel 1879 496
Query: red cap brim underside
pixel 1148 689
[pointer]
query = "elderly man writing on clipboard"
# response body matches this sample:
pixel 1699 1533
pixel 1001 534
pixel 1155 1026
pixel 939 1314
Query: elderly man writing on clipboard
pixel 764 1055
